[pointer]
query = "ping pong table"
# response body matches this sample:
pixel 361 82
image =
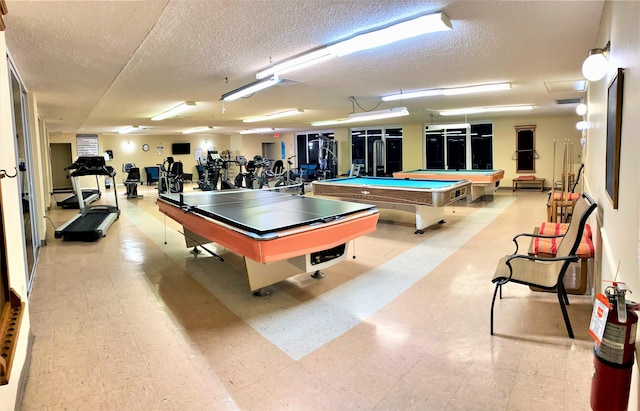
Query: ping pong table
pixel 278 234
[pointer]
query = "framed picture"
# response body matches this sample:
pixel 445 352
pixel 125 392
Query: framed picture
pixel 614 126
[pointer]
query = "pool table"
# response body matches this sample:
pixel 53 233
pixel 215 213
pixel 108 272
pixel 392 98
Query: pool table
pixel 480 179
pixel 426 198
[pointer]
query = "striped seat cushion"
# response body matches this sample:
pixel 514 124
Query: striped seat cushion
pixel 550 245
pixel 558 195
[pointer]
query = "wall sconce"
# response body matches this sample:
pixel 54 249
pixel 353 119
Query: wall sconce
pixel 595 65
pixel 583 125
pixel 581 109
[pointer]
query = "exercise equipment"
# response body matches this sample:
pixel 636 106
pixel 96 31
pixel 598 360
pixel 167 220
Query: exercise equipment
pixel 241 178
pixel 70 200
pixel 132 181
pixel 171 176
pixel 92 222
pixel 210 169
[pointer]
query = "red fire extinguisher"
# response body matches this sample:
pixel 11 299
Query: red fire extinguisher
pixel 614 349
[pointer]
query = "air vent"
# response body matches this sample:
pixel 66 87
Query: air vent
pixel 569 101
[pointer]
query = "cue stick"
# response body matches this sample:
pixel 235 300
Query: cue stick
pixel 565 189
pixel 553 184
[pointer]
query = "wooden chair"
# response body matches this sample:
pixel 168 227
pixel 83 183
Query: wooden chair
pixel 560 203
pixel 546 272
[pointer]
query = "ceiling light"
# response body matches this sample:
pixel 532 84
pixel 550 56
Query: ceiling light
pixel 274 115
pixel 448 91
pixel 376 38
pixel 331 122
pixel 396 32
pixel 250 88
pixel 296 63
pixel 197 130
pixel 379 114
pixel 130 129
pixel 595 65
pixel 257 131
pixel 477 110
pixel 431 127
pixel 175 111
pixel 365 116
pixel 581 109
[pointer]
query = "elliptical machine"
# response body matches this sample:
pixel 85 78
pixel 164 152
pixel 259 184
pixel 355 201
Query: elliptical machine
pixel 211 172
pixel 170 180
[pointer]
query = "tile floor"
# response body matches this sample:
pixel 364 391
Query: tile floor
pixel 132 323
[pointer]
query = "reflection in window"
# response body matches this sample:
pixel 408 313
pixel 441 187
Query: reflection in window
pixel 379 148
pixel 459 148
pixel 317 149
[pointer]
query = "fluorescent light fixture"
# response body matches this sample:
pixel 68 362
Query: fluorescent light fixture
pixel 379 114
pixel 198 130
pixel 431 127
pixel 448 91
pixel 595 66
pixel 130 129
pixel 477 110
pixel 331 122
pixel 175 111
pixel 295 63
pixel 257 131
pixel 365 116
pixel 274 115
pixel 399 31
pixel 250 88
pixel 396 32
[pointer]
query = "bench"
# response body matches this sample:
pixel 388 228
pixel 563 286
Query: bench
pixel 547 247
pixel 528 181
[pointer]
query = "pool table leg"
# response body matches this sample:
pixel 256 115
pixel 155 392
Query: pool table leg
pixel 427 216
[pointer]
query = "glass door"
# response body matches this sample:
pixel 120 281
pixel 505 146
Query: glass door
pixel 25 167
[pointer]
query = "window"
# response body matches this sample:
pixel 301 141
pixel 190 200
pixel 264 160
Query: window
pixel 482 146
pixel 459 148
pixel 378 149
pixel 319 150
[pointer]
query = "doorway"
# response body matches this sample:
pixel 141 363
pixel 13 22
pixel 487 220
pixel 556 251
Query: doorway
pixel 60 159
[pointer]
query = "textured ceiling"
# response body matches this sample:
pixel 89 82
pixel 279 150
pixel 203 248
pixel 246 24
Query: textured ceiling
pixel 98 66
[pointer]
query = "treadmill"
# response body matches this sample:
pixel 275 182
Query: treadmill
pixel 92 222
pixel 71 200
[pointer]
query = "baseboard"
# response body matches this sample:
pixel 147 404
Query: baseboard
pixel 24 374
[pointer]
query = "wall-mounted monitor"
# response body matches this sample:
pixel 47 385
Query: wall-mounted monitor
pixel 181 148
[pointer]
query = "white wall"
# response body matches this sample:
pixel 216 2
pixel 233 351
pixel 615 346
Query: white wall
pixel 620 228
pixel 619 240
